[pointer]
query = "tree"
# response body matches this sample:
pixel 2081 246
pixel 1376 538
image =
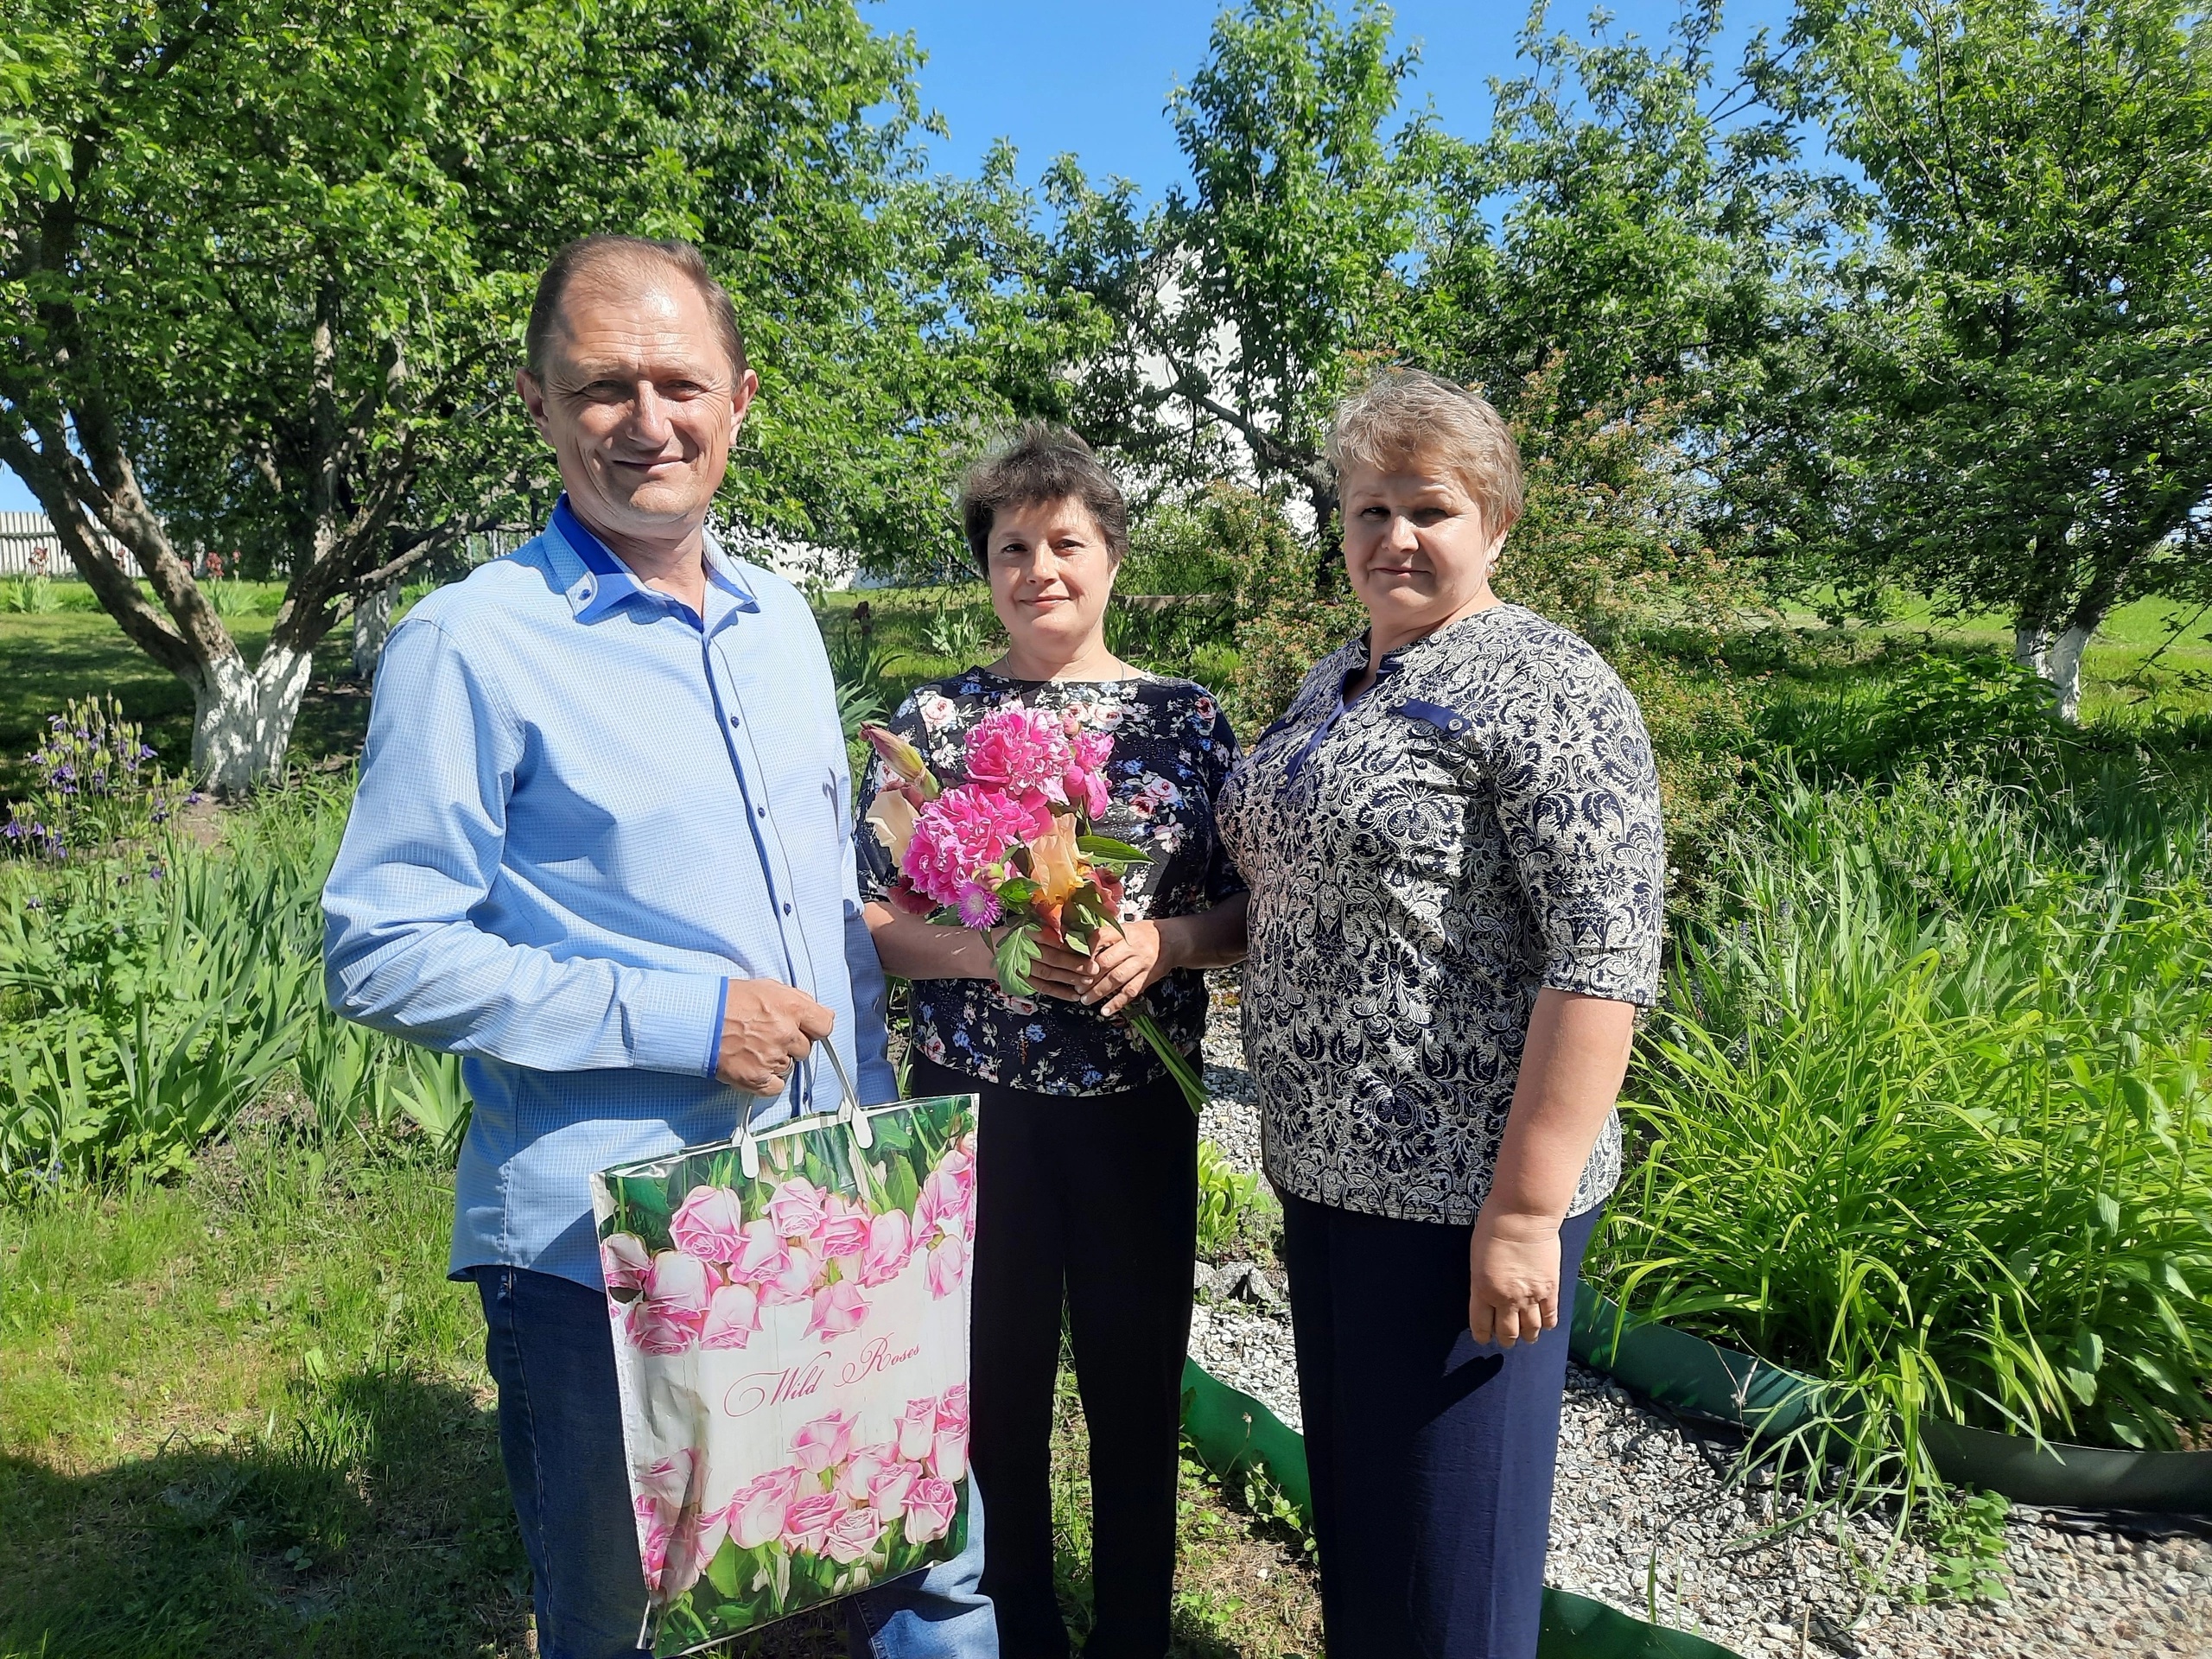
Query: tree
pixel 264 270
pixel 1244 304
pixel 2017 411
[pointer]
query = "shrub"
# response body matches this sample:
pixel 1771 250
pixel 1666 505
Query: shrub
pixel 1232 1204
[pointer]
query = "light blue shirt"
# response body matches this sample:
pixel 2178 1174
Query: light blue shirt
pixel 583 808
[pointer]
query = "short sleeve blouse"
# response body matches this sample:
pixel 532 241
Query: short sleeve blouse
pixel 1482 823
pixel 1172 746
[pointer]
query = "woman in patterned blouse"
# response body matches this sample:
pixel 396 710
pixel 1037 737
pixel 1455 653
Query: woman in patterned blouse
pixel 1453 846
pixel 1087 1186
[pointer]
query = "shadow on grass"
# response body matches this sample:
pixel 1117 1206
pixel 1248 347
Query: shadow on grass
pixel 378 1525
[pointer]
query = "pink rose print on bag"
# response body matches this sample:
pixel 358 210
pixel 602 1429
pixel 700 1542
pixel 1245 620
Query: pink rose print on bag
pixel 930 1508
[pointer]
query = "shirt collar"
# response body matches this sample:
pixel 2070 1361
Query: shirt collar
pixel 605 581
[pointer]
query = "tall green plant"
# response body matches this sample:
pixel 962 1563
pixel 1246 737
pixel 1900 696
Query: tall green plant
pixel 1930 1117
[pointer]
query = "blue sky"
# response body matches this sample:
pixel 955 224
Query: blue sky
pixel 1093 79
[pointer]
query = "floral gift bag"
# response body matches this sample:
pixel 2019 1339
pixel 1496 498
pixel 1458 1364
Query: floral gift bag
pixel 791 1340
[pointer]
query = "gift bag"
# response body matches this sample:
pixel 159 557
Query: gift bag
pixel 791 1340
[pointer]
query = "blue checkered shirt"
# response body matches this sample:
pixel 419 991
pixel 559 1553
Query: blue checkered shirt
pixel 584 808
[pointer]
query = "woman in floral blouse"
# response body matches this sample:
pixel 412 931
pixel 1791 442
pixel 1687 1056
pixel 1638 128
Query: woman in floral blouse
pixel 1454 845
pixel 1087 1184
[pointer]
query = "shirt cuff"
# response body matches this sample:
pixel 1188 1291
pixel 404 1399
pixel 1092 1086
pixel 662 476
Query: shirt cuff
pixel 714 1035
pixel 665 1016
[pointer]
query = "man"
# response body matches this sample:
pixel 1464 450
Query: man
pixel 601 849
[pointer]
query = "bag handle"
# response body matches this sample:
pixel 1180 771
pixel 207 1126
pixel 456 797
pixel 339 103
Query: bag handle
pixel 849 1113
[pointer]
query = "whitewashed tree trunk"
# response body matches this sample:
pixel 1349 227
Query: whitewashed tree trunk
pixel 372 622
pixel 2056 659
pixel 242 717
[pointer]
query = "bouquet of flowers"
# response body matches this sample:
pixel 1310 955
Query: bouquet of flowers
pixel 1014 844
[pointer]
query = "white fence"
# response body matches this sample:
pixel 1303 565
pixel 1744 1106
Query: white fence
pixel 28 547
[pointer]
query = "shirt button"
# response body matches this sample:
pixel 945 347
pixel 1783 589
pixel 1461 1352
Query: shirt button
pixel 760 811
pixel 787 909
pixel 733 721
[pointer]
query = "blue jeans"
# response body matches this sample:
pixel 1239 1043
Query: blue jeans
pixel 551 1351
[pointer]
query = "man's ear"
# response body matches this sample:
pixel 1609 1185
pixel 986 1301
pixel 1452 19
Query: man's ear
pixel 532 393
pixel 741 398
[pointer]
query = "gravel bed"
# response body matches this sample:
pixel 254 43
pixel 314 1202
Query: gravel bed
pixel 1644 1516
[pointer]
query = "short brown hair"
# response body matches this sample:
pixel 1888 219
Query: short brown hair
pixel 587 254
pixel 1040 462
pixel 1402 413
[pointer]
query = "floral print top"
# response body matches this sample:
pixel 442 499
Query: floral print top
pixel 1172 746
pixel 1483 823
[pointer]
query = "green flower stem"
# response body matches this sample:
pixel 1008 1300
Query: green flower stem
pixel 1185 1075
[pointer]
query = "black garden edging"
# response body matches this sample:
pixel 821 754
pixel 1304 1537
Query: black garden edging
pixel 1707 1380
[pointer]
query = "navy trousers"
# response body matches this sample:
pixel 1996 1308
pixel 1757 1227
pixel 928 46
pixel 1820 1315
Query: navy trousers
pixel 1430 1458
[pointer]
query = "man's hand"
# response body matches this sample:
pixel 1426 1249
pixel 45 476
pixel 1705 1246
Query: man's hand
pixel 1121 968
pixel 1513 1272
pixel 766 1026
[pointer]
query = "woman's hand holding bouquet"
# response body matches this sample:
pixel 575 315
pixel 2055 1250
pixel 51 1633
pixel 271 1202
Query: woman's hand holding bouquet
pixel 1014 846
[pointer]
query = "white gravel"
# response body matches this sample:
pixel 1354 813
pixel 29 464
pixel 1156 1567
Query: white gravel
pixel 1643 1516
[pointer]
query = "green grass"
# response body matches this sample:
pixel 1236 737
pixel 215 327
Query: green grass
pixel 46 659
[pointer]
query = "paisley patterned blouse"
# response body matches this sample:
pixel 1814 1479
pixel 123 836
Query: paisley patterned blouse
pixel 1483 823
pixel 1172 748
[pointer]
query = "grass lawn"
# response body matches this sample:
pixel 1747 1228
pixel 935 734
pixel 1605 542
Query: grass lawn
pixel 247 1416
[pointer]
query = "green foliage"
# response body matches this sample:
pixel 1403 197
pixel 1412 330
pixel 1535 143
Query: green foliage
pixel 1984 718
pixel 30 595
pixel 1929 1112
pixel 1287 618
pixel 2009 400
pixel 1967 1548
pixel 94 789
pixel 1232 1204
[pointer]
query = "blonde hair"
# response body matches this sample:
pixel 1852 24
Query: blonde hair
pixel 1402 414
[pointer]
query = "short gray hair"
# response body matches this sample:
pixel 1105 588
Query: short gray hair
pixel 1400 414
pixel 587 255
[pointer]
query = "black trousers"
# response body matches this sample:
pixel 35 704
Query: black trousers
pixel 1092 1199
pixel 1430 1458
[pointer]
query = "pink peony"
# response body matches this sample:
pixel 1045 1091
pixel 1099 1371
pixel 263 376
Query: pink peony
pixel 853 1536
pixel 709 1224
pixel 890 1243
pixel 823 1442
pixel 929 1510
pixel 806 1523
pixel 918 1429
pixel 756 1516
pixel 1086 791
pixel 844 1228
pixel 947 1266
pixel 623 1260
pixel 838 1308
pixel 1089 751
pixel 963 833
pixel 797 1208
pixel 1017 750
pixel 732 1317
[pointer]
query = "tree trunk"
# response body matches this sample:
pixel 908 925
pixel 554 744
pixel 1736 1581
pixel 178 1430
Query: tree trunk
pixel 2056 659
pixel 372 622
pixel 242 717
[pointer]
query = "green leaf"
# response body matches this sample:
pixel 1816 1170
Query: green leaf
pixel 1105 849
